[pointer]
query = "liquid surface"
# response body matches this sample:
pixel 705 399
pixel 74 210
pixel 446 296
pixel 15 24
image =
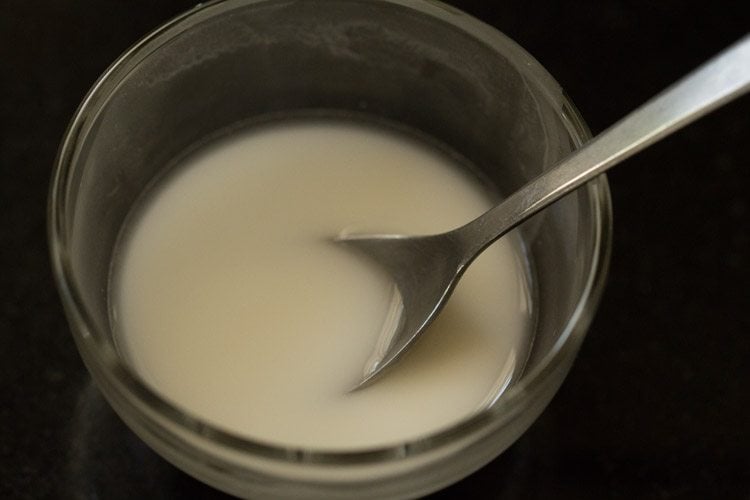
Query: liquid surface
pixel 230 299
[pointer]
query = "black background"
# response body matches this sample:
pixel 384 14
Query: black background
pixel 657 404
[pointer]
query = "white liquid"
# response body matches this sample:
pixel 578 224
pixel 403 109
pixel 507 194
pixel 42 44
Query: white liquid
pixel 231 301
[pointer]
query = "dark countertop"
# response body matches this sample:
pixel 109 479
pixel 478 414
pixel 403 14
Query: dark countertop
pixel 658 402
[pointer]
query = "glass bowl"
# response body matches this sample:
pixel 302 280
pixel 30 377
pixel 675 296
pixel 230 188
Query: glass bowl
pixel 418 63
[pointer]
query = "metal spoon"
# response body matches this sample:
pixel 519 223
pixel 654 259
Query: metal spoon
pixel 425 269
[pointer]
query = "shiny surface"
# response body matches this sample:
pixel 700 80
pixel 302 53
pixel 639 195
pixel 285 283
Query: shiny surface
pixel 425 269
pixel 656 405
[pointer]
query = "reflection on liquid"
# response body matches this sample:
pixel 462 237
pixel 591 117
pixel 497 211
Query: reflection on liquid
pixel 106 461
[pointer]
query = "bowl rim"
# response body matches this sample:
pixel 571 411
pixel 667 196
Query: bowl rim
pixel 121 378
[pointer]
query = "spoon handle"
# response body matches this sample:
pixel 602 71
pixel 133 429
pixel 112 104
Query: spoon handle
pixel 713 84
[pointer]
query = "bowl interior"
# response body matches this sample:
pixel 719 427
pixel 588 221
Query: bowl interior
pixel 428 69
